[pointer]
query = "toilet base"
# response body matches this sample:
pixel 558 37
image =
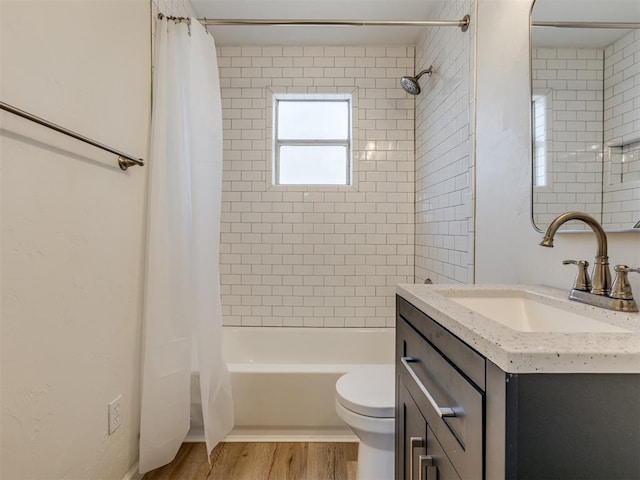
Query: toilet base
pixel 368 409
pixel 375 463
pixel 376 448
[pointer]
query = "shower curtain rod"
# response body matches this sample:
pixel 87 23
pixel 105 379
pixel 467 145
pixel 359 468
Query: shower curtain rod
pixel 626 25
pixel 124 161
pixel 462 24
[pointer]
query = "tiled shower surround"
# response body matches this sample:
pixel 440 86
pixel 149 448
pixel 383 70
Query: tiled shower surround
pixel 444 150
pixel 621 126
pixel 621 94
pixel 317 256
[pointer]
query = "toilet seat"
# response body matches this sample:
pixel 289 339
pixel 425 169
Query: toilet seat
pixel 368 390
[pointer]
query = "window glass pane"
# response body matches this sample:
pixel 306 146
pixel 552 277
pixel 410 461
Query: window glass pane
pixel 313 165
pixel 540 141
pixel 321 120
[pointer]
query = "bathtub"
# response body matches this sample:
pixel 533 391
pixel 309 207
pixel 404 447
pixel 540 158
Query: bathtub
pixel 283 379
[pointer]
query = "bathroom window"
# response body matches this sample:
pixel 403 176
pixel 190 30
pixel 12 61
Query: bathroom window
pixel 312 139
pixel 541 137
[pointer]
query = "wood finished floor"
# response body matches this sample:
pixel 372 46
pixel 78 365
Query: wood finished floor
pixel 262 461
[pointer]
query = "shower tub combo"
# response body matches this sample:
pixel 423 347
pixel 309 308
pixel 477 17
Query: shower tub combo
pixel 283 379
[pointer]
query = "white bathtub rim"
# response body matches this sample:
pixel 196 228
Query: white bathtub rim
pixel 300 328
pixel 296 368
pixel 305 345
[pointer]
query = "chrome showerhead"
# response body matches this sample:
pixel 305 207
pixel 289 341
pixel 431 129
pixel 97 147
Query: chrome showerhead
pixel 411 85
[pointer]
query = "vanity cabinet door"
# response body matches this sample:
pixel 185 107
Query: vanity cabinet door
pixel 420 455
pixel 411 434
pixel 437 466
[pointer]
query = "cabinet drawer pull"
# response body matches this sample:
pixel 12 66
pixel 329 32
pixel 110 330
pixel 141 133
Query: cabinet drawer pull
pixel 414 442
pixel 441 411
pixel 427 460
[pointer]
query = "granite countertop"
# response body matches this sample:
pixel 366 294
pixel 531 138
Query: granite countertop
pixel 533 352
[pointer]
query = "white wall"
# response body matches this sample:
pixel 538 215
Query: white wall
pixel 507 248
pixel 316 256
pixel 72 236
pixel 444 150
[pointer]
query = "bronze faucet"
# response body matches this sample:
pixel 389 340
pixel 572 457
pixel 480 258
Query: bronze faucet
pixel 598 291
pixel 601 278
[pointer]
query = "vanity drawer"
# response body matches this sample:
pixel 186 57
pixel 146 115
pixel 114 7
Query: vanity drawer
pixel 467 360
pixel 455 411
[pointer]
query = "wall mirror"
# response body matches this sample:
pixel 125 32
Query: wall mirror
pixel 585 89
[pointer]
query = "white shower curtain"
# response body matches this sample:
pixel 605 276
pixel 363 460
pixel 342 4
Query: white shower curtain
pixel 182 309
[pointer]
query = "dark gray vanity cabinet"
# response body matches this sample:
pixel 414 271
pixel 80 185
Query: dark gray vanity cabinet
pixel 460 417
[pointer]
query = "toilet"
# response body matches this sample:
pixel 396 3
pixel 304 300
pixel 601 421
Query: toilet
pixel 365 401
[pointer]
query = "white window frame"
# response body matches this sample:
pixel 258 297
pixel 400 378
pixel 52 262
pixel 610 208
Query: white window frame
pixel 278 143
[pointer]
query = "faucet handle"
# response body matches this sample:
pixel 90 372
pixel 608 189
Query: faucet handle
pixel 621 288
pixel 582 282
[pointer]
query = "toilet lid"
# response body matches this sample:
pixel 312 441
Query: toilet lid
pixel 368 390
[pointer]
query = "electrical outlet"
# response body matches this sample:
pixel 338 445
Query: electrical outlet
pixel 115 414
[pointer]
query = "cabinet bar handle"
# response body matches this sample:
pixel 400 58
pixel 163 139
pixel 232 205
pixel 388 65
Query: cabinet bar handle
pixel 426 460
pixel 414 442
pixel 441 411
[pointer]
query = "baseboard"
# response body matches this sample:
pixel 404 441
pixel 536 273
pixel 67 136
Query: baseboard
pixel 280 435
pixel 133 473
pixel 296 434
pixel 285 437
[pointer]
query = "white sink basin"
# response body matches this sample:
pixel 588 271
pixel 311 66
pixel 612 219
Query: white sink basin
pixel 528 314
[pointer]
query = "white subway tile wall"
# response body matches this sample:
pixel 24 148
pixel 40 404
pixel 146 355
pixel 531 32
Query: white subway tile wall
pixel 316 256
pixel 621 199
pixel 622 89
pixel 574 79
pixel 444 150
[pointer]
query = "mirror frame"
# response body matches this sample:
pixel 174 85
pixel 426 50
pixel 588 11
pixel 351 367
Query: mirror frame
pixel 634 228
